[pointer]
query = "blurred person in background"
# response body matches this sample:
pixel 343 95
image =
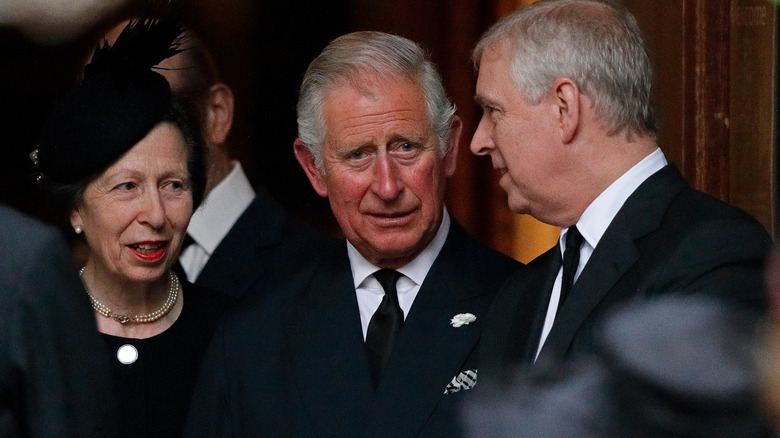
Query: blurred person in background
pixel 672 366
pixel 54 374
pixel 770 360
pixel 58 21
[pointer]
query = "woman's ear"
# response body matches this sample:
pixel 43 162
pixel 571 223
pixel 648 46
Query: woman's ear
pixel 76 220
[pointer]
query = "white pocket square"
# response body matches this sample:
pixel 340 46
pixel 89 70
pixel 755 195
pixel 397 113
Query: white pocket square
pixel 463 381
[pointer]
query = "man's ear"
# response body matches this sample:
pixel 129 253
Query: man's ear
pixel 219 114
pixel 451 159
pixel 306 160
pixel 566 107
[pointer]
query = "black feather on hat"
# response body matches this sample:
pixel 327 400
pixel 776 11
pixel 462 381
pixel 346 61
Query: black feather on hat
pixel 116 105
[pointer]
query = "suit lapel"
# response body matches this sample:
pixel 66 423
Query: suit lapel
pixel 257 228
pixel 326 344
pixel 517 316
pixel 430 351
pixel 532 311
pixel 615 254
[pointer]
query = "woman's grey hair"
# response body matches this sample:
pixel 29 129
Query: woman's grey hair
pixel 349 57
pixel 597 44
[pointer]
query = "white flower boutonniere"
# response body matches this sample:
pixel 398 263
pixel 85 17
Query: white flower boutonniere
pixel 462 319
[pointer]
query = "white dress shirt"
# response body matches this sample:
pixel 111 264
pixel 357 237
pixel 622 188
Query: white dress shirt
pixel 594 222
pixel 214 218
pixel 370 293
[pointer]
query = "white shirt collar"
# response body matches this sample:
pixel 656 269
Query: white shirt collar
pixel 595 220
pixel 600 213
pixel 416 270
pixel 221 209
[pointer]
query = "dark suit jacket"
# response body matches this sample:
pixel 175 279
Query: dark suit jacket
pixel 54 377
pixel 670 366
pixel 667 238
pixel 297 366
pixel 262 250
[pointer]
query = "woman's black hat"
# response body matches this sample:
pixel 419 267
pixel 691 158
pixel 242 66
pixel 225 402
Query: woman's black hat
pixel 116 105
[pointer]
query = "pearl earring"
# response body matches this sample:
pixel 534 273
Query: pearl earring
pixel 77 230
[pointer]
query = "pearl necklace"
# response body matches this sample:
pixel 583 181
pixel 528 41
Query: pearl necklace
pixel 102 309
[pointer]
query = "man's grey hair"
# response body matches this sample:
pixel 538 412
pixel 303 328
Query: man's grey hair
pixel 597 44
pixel 346 59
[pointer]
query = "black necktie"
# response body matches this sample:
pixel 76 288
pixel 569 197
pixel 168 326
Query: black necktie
pixel 188 240
pixel 384 326
pixel 177 267
pixel 571 259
